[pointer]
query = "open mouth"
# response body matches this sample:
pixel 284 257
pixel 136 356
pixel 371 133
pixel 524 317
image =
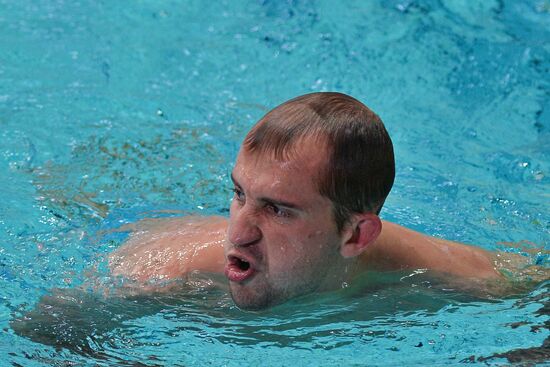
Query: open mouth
pixel 242 264
pixel 237 269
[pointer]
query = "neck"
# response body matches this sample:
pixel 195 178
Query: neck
pixel 341 276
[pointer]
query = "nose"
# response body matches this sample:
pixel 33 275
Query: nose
pixel 243 229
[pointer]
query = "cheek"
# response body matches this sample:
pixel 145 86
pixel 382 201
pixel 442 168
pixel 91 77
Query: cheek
pixel 317 236
pixel 295 253
pixel 320 241
pixel 298 246
pixel 284 251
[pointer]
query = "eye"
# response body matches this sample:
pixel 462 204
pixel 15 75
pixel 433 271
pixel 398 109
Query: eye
pixel 239 195
pixel 277 211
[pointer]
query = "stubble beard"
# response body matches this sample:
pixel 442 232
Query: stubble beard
pixel 252 298
pixel 260 294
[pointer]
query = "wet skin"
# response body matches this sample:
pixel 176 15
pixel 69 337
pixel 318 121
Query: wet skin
pixel 283 229
pixel 281 240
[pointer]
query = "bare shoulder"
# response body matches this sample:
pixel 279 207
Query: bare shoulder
pixel 401 248
pixel 167 248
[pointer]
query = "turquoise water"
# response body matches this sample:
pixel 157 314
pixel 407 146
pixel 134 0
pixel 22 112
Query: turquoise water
pixel 115 111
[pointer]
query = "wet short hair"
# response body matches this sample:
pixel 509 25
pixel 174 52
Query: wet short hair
pixel 360 167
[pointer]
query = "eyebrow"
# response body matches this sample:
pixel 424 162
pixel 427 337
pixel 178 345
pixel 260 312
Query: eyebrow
pixel 268 200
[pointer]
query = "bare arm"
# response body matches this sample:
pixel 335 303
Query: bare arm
pixel 156 250
pixel 164 249
pixel 169 248
pixel 398 247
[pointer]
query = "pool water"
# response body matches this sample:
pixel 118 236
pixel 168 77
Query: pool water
pixel 111 112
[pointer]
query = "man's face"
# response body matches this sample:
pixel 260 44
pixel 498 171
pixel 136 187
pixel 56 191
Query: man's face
pixel 283 241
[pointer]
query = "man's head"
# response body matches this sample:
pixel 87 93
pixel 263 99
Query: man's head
pixel 310 179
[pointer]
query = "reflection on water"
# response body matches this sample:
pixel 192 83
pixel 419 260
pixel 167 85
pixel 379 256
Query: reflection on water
pixel 378 309
pixel 89 321
pixel 148 111
pixel 105 173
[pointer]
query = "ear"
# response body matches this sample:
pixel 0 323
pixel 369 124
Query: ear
pixel 363 230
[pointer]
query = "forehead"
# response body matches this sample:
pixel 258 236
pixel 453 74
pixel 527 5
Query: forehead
pixel 295 175
pixel 305 155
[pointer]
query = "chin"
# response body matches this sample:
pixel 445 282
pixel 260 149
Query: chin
pixel 246 299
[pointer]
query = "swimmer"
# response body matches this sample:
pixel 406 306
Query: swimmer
pixel 309 182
